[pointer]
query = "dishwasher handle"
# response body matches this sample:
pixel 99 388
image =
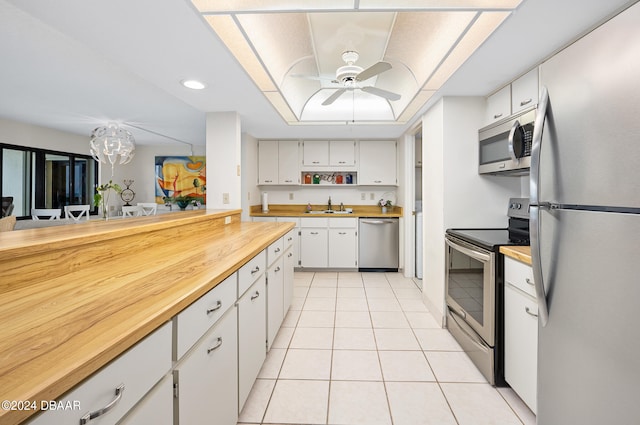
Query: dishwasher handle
pixel 377 221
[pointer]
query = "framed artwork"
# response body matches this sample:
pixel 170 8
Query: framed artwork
pixel 181 176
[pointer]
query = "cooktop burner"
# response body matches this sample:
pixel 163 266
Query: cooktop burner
pixel 490 239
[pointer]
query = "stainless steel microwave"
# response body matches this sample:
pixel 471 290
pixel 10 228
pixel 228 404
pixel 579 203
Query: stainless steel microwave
pixel 505 146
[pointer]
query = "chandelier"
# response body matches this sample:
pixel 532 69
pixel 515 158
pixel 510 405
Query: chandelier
pixel 112 144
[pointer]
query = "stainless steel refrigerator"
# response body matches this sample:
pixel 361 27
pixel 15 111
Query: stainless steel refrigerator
pixel 585 228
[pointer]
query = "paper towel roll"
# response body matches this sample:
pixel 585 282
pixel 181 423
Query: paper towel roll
pixel 265 202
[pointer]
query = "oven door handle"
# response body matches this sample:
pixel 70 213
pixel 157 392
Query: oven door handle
pixel 476 339
pixel 478 255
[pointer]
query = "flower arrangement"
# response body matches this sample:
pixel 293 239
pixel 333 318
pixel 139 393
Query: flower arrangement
pixel 385 202
pixel 101 197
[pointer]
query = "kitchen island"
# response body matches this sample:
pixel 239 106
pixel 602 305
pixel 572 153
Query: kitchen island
pixel 76 297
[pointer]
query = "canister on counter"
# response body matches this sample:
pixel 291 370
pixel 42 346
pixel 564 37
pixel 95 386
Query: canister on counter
pixel 316 178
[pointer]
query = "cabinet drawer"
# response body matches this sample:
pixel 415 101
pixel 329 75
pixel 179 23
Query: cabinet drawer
pixel 156 408
pixel 314 222
pixel 343 223
pixel 196 319
pixel 251 271
pixel 289 238
pixel 519 275
pixel 275 250
pixel 135 371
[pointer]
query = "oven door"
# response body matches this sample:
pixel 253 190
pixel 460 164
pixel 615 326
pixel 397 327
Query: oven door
pixel 470 286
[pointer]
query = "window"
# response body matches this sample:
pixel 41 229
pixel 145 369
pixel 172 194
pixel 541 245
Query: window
pixel 38 178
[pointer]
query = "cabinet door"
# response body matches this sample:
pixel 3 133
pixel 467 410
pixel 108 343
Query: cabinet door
pixel 521 344
pixel 315 153
pixel 275 299
pixel 524 91
pixel 314 246
pixel 288 170
pixel 155 408
pixel 377 163
pixel 207 377
pixel 289 264
pixel 267 162
pixel 498 105
pixel 343 248
pixel 342 153
pixel 252 337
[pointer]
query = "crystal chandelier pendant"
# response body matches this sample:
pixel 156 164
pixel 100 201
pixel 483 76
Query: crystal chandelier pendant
pixel 112 144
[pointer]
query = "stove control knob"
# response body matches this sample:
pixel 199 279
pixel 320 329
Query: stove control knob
pixel 516 206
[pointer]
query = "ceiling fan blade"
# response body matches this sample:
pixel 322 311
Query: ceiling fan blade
pixel 312 77
pixel 373 70
pixel 333 97
pixel 382 93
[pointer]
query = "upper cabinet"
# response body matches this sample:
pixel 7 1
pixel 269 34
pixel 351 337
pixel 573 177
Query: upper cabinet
pixel 324 153
pixel 315 153
pixel 378 163
pixel 278 162
pixel 513 98
pixel 498 105
pixel 524 91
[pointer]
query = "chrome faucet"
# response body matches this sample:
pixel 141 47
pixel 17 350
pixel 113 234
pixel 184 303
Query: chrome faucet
pixel 329 204
pixel 341 206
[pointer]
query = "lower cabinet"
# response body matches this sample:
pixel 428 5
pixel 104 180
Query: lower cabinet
pixel 206 378
pixel 252 337
pixel 520 332
pixel 343 248
pixel 275 299
pixel 314 247
pixel 329 242
pixel 109 394
pixel 289 264
pixel 155 408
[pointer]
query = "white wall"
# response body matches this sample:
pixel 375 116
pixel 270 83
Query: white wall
pixel 250 191
pixel 22 134
pixel 224 160
pixel 454 194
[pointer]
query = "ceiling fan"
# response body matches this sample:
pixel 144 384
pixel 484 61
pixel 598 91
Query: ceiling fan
pixel 350 75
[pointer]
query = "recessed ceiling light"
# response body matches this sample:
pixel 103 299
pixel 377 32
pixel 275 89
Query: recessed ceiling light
pixel 193 84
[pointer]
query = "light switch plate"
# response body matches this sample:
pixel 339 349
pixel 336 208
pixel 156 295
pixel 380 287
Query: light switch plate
pixel 225 198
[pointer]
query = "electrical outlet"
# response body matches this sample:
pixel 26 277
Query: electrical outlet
pixel 363 196
pixel 227 220
pixel 291 196
pixel 372 196
pixel 225 198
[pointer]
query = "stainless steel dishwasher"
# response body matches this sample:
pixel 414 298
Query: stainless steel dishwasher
pixel 379 244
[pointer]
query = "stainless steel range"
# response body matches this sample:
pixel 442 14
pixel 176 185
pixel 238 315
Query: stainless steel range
pixel 474 288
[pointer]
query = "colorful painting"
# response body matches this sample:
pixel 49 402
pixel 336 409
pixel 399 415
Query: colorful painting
pixel 181 176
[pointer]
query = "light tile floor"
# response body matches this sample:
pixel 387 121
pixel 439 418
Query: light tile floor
pixel 361 348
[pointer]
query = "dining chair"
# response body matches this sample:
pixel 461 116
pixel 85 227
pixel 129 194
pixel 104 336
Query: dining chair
pixel 7 206
pixel 76 212
pixel 131 211
pixel 51 213
pixel 148 208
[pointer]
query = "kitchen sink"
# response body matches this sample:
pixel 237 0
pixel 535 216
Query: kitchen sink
pixel 329 212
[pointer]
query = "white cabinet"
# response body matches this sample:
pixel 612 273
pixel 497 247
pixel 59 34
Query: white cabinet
pixel 289 264
pixel 524 91
pixel 315 153
pixel 288 170
pixel 378 163
pixel 155 408
pixel 251 271
pixel 292 239
pixel 118 386
pixel 343 242
pixel 314 246
pixel 498 105
pixel 275 299
pixel 267 162
pixel 278 162
pixel 520 331
pixel 252 337
pixel 342 153
pixel 206 378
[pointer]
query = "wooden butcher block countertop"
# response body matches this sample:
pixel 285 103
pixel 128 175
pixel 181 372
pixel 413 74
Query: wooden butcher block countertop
pixel 75 297
pixel 521 253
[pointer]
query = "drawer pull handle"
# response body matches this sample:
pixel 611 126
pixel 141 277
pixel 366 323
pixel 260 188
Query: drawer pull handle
pixel 254 296
pixel 529 312
pixel 313 233
pixel 289 239
pixel 256 270
pixel 215 347
pixel 290 255
pixel 496 116
pixel 525 102
pixel 277 250
pixel 530 282
pixel 377 181
pixel 217 307
pixel 278 268
pixel 92 415
pixel 342 233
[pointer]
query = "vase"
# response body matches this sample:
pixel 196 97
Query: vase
pixel 182 205
pixel 384 210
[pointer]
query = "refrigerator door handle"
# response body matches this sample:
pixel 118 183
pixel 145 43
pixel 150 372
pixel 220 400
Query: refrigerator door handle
pixel 536 206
